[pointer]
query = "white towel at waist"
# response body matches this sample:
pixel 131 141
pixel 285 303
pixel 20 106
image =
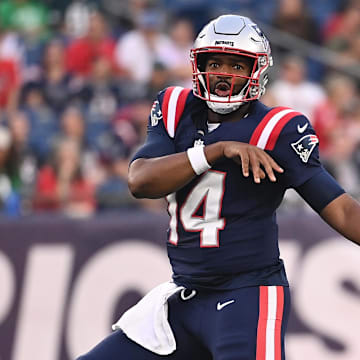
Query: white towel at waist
pixel 147 324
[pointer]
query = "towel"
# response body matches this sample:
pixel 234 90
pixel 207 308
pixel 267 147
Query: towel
pixel 146 323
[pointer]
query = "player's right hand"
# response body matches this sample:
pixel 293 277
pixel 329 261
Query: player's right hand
pixel 252 158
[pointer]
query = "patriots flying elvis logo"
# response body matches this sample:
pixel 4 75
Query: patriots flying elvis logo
pixel 156 113
pixel 305 146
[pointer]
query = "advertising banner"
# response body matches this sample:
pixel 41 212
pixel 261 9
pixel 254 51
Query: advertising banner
pixel 64 282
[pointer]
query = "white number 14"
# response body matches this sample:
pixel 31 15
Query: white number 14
pixel 209 192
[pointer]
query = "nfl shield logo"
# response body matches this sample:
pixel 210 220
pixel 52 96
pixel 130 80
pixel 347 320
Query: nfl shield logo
pixel 305 146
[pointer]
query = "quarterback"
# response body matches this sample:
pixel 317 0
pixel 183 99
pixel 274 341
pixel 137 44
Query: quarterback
pixel 223 160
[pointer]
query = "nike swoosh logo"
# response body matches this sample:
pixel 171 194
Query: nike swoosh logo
pixel 220 306
pixel 301 129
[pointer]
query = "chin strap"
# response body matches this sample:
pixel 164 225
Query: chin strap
pixel 222 108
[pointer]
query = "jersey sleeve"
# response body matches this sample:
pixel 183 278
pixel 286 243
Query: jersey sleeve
pixel 158 142
pixel 320 190
pixel 297 151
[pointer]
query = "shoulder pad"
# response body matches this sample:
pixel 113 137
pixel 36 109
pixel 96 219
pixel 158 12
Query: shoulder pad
pixel 172 107
pixel 268 130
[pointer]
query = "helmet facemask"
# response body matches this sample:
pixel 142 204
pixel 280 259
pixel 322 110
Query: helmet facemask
pixel 235 35
pixel 251 90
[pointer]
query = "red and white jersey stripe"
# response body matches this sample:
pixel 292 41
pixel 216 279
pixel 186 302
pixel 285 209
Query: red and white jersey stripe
pixel 173 106
pixel 267 132
pixel 271 308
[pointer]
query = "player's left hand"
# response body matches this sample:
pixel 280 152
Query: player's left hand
pixel 252 158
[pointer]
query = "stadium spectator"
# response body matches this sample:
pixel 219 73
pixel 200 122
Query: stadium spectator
pixel 293 89
pixel 9 197
pixel 160 78
pixel 11 47
pixel 61 186
pixel 30 19
pixel 329 121
pixel 113 192
pixel 293 17
pixel 97 42
pixel 43 122
pixel 10 69
pixel 342 26
pixel 346 140
pixel 101 92
pixel 130 122
pixel 175 68
pixel 73 126
pixel 9 84
pixel 57 83
pixel 122 14
pixel 349 59
pixel 139 50
pixel 76 19
pixel 182 36
pixel 21 165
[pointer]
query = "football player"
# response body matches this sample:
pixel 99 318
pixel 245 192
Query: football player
pixel 223 160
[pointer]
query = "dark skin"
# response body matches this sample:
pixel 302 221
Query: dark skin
pixel 228 64
pixel 158 177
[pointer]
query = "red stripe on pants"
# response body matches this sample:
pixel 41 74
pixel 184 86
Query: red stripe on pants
pixel 262 322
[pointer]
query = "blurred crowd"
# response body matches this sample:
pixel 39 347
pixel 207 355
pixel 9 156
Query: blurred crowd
pixel 78 78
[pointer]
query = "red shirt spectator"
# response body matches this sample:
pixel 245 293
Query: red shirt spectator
pixel 97 42
pixel 62 186
pixel 47 197
pixel 9 81
pixel 328 116
pixel 82 52
pixel 325 121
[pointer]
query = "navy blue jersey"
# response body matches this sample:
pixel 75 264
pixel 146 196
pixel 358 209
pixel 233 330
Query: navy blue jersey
pixel 223 224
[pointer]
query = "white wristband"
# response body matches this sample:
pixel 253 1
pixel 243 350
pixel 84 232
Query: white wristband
pixel 197 159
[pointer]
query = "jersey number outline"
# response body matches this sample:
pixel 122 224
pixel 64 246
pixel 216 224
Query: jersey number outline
pixel 209 192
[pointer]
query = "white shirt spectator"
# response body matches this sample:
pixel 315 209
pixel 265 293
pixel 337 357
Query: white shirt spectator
pixel 294 90
pixel 137 55
pixel 302 97
pixel 11 47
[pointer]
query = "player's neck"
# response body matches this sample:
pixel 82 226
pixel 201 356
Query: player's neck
pixel 236 115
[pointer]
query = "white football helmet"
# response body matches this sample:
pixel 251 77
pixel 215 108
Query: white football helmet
pixel 236 35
